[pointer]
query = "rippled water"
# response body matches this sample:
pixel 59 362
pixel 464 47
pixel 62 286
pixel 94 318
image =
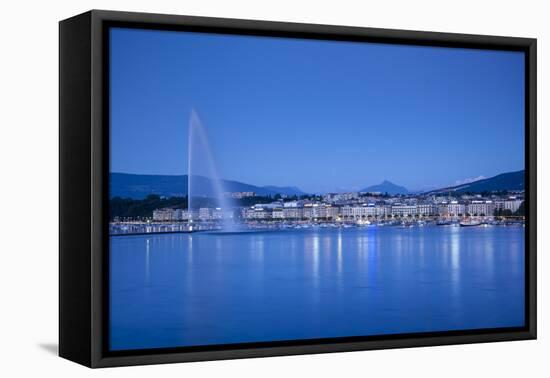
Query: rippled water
pixel 175 290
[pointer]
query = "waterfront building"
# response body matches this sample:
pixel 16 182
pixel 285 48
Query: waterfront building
pixel 186 214
pixel 319 211
pixel 205 213
pixel 331 212
pixel 164 215
pixel 356 212
pixel 346 212
pixel 169 215
pixel 512 204
pixel 371 210
pixel 443 208
pixel 216 213
pixel 455 209
pixel 362 212
pixel 308 211
pixel 181 214
pixel 499 204
pixel 262 214
pixel 278 213
pixel 426 209
pixel 354 208
pixel 293 213
pixel 403 210
pixel 382 210
pixel 247 213
pixel 481 208
pixel 257 213
pixel 323 211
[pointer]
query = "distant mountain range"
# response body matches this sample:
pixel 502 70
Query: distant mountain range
pixel 140 186
pixel 386 187
pixel 504 181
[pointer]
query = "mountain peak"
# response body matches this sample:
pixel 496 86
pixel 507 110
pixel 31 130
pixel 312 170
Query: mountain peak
pixel 386 187
pixel 140 186
pixel 504 181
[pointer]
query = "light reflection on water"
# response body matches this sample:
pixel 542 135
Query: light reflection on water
pixel 147 262
pixel 340 258
pixel 181 289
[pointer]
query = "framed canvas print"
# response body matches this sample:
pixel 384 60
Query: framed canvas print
pixel 233 188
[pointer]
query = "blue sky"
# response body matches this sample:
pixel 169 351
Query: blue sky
pixel 320 115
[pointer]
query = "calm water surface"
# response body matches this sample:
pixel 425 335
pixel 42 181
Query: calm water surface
pixel 180 290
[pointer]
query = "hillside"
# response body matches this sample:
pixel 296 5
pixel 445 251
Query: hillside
pixel 504 181
pixel 140 186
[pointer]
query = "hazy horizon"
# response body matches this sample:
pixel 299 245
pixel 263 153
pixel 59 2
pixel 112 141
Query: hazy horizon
pixel 460 182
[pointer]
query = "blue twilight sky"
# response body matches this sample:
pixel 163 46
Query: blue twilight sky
pixel 320 115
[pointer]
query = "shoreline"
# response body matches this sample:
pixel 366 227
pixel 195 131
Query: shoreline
pixel 297 226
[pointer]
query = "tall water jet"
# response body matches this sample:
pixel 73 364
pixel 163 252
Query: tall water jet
pixel 204 183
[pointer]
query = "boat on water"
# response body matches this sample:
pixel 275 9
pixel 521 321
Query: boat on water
pixel 470 223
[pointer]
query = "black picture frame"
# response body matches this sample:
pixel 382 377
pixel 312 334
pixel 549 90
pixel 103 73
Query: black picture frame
pixel 83 181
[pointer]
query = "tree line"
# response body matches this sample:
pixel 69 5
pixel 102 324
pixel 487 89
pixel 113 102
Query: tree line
pixel 140 209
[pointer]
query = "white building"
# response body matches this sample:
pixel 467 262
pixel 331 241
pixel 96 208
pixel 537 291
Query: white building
pixel 403 210
pixel 293 213
pixel 359 212
pixel 332 212
pixel 216 213
pixel 426 209
pixel 319 211
pixel 164 215
pixel 205 213
pixel 499 205
pixel 481 208
pixel 512 204
pixel 443 208
pixel 455 209
pixel 346 212
pixel 254 213
pixel 169 215
pixel 278 213
pixel 208 213
pixel 382 210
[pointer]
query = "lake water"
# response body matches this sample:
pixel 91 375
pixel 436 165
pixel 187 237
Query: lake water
pixel 172 290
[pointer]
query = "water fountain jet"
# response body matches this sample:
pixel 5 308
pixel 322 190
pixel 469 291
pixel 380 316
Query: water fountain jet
pixel 203 179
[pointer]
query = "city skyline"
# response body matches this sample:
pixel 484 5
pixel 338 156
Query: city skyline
pixel 310 114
